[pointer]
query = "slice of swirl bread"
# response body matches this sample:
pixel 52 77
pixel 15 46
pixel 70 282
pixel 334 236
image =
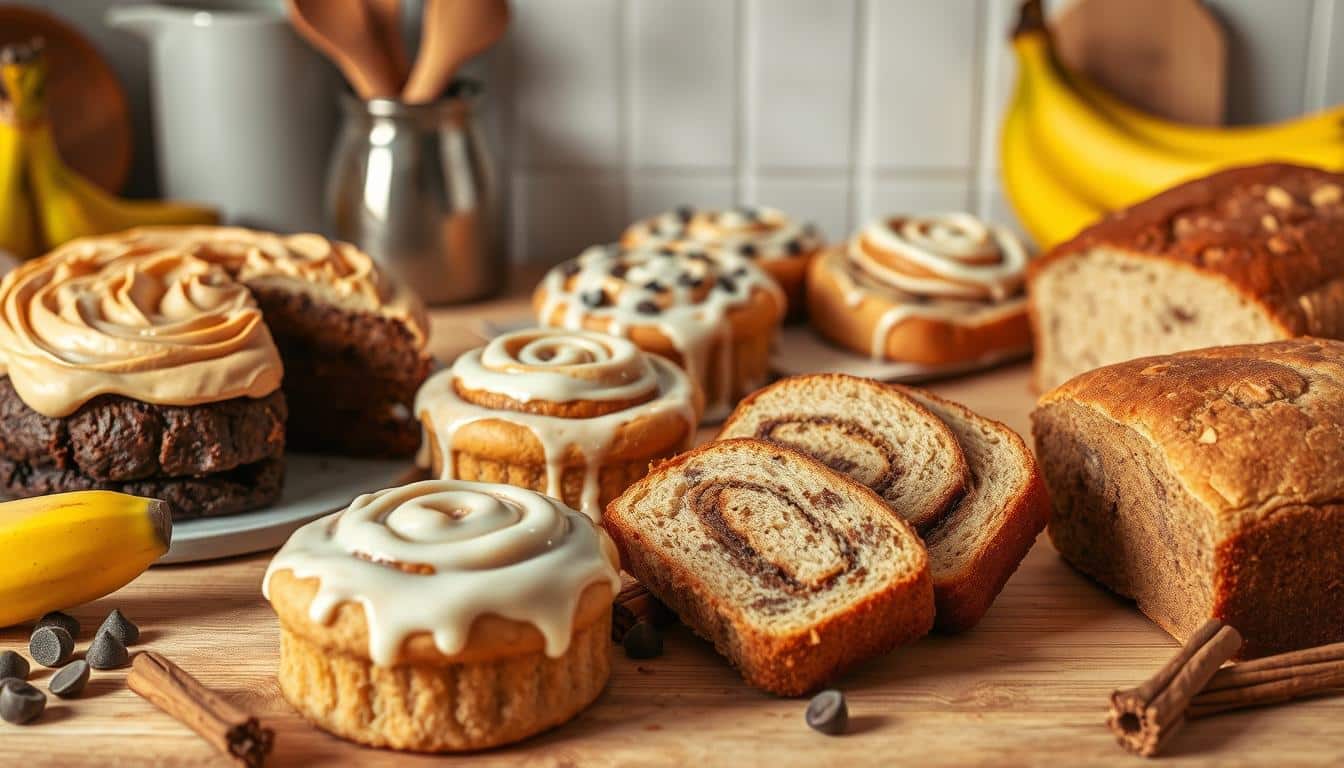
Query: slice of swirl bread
pixel 981 541
pixel 867 430
pixel 792 570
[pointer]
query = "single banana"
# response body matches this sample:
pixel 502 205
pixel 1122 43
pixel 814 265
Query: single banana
pixel 1110 166
pixel 1212 142
pixel 66 204
pixel 18 230
pixel 63 550
pixel 1049 211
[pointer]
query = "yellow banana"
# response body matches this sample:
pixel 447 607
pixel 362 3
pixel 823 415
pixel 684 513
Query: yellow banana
pixel 1108 165
pixel 65 204
pixel 18 230
pixel 1212 142
pixel 1049 211
pixel 63 550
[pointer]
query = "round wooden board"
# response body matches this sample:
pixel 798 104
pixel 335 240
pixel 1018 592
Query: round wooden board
pixel 86 102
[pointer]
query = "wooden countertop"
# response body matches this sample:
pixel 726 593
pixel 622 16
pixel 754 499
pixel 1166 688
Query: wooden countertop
pixel 1029 685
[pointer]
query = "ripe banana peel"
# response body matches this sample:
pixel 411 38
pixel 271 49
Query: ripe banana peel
pixel 43 202
pixel 66 549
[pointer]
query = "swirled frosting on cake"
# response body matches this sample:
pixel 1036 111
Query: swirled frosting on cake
pixel 162 327
pixel 431 557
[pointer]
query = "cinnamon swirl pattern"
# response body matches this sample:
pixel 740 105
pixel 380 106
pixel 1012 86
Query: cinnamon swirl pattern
pixel 782 246
pixel 594 407
pixel 933 290
pixel 714 314
pixel 164 327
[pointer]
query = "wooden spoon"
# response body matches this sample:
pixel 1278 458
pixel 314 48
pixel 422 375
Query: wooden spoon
pixel 387 22
pixel 343 32
pixel 454 31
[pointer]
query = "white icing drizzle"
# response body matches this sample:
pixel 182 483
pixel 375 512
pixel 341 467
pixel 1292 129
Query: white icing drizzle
pixel 684 294
pixel 962 256
pixel 494 549
pixel 761 233
pixel 558 366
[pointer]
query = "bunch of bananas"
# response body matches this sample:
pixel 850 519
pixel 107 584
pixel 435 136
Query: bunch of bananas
pixel 44 203
pixel 69 548
pixel 1070 151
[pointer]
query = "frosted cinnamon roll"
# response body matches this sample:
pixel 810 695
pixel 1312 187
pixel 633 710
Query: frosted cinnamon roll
pixel 444 616
pixel 934 290
pixel 715 315
pixel 573 414
pixel 781 246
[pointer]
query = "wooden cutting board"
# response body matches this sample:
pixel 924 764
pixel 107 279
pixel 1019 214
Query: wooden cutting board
pixel 1168 57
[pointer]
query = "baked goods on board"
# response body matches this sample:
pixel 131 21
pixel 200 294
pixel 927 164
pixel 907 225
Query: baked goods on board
pixel 444 616
pixel 1246 255
pixel 576 415
pixel 1207 484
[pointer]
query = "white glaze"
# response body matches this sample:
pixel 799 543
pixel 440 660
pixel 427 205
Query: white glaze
pixel 692 322
pixel 581 366
pixel 495 549
pixel 769 232
pixel 967 258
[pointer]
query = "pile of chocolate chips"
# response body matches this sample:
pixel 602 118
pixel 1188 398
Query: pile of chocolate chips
pixel 52 644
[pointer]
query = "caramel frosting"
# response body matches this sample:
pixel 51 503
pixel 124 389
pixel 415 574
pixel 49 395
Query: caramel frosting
pixel 949 267
pixel 432 557
pixel 329 271
pixel 684 293
pixel 534 377
pixel 757 233
pixel 163 327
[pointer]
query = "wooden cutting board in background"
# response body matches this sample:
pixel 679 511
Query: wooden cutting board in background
pixel 1168 57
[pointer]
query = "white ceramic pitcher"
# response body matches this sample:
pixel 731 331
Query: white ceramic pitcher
pixel 244 112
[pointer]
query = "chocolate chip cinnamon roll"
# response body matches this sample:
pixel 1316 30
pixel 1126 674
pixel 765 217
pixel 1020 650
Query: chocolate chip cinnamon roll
pixel 716 316
pixel 573 414
pixel 935 290
pixel 792 570
pixel 781 246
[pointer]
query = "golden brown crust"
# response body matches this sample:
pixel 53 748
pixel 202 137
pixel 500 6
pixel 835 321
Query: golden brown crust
pixel 1273 232
pixel 799 662
pixel 916 339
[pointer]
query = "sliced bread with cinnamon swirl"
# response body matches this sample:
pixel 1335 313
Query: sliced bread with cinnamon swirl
pixel 865 429
pixel 794 571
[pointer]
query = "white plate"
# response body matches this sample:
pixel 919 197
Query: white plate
pixel 314 486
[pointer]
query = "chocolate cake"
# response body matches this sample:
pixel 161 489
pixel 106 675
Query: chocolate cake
pixel 178 363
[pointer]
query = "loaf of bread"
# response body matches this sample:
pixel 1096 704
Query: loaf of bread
pixel 1208 484
pixel 792 570
pixel 1245 255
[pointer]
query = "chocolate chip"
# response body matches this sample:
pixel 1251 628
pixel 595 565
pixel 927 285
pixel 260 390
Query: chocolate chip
pixel 70 681
pixel 828 713
pixel 107 652
pixel 647 307
pixel 667 251
pixel 5 682
pixel 685 212
pixel 698 256
pixel 727 284
pixel 594 298
pixel 13 665
pixel 58 619
pixel 51 646
pixel 570 268
pixel 120 627
pixel 655 286
pixel 689 280
pixel 618 270
pixel 643 641
pixel 21 703
pixel 793 247
pixel 740 272
pixel 748 250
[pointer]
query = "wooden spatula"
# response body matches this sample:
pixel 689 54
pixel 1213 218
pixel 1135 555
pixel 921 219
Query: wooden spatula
pixel 453 31
pixel 343 31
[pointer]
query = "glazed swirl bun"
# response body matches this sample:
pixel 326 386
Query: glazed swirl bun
pixel 933 290
pixel 435 556
pixel 165 328
pixel 713 314
pixel 575 414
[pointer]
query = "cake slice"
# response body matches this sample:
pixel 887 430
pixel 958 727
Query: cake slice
pixel 981 541
pixel 867 430
pixel 792 570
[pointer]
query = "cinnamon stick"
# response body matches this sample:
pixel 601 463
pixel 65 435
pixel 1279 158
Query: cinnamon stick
pixel 231 730
pixel 1144 718
pixel 1272 680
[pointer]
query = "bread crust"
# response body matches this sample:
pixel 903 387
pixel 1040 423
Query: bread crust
pixel 788 664
pixel 1252 439
pixel 916 339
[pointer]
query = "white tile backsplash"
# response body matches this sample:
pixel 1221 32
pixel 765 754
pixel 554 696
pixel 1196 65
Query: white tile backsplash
pixel 834 110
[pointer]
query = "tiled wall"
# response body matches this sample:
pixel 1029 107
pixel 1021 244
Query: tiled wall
pixel 836 110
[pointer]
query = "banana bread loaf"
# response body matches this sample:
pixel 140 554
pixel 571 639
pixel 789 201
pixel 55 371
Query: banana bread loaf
pixel 1208 484
pixel 1245 255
